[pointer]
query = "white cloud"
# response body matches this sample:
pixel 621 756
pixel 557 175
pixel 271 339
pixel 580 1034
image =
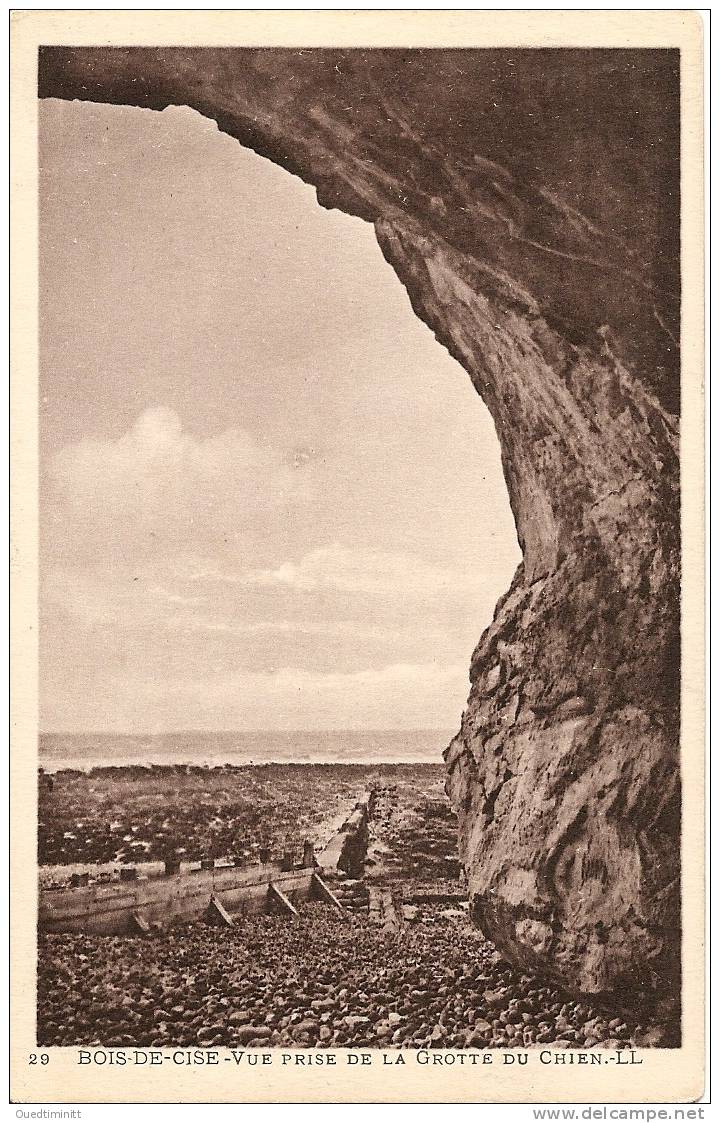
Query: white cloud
pixel 353 631
pixel 358 570
pixel 160 487
pixel 175 598
pixel 214 583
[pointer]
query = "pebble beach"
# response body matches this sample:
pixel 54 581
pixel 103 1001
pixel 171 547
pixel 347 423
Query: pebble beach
pixel 318 980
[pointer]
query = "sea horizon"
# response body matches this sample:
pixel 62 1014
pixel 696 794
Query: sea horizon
pixel 240 732
pixel 84 751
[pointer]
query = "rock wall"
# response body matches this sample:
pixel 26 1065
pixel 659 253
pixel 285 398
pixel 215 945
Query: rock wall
pixel 528 201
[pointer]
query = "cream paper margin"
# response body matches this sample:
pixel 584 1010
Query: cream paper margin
pixel 665 1075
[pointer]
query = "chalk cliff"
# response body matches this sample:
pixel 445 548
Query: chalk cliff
pixel 528 201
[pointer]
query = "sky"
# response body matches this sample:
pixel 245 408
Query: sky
pixel 269 497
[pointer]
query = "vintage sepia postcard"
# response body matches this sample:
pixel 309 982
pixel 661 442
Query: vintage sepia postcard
pixel 358 557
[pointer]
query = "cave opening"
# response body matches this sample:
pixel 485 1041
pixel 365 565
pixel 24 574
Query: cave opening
pixel 270 498
pixel 519 269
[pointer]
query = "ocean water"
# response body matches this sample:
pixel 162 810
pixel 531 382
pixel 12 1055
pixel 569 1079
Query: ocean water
pixel 352 746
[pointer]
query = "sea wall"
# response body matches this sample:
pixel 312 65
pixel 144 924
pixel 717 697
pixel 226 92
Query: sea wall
pixel 528 201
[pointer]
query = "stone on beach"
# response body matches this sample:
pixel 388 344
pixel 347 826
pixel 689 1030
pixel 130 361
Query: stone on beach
pixel 315 981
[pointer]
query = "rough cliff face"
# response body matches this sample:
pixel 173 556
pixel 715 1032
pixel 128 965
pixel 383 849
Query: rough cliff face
pixel 528 201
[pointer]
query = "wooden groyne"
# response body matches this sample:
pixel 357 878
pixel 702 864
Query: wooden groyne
pixel 216 891
pixel 143 903
pixel 346 851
